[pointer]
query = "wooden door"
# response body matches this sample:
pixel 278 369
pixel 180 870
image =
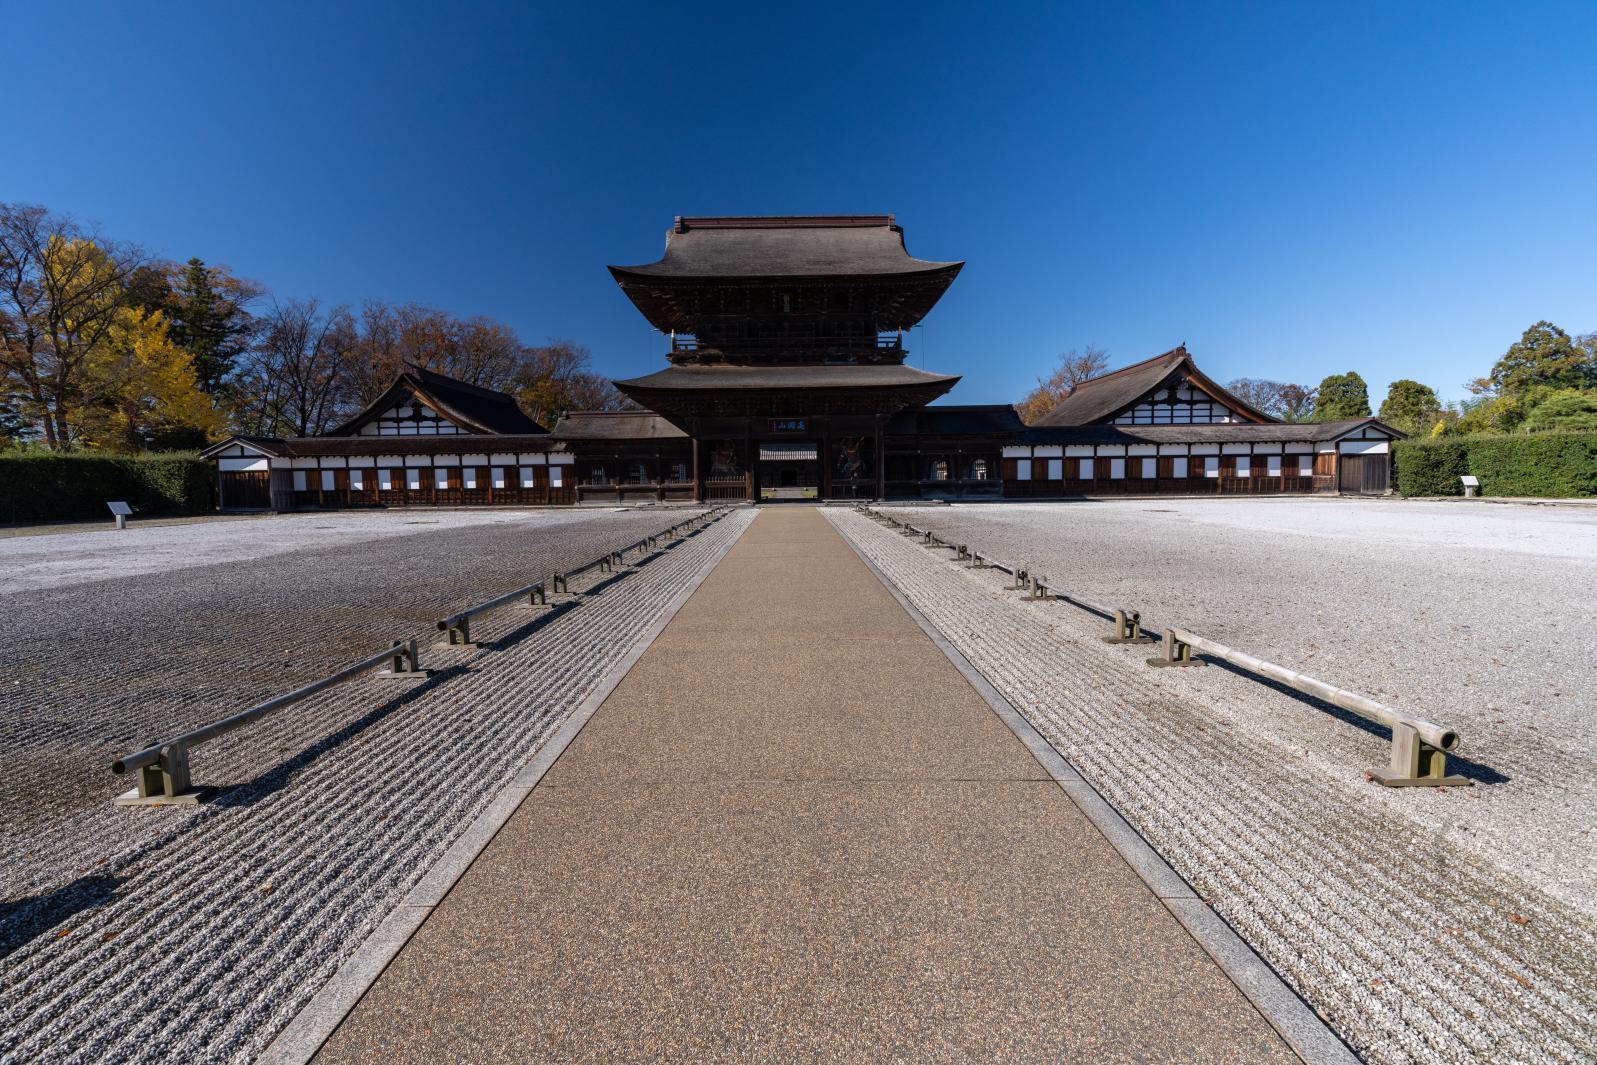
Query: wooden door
pixel 246 490
pixel 1364 474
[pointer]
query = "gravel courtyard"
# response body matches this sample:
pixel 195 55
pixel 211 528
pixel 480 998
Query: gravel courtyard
pixel 196 933
pixel 1478 616
pixel 142 635
pixel 1424 924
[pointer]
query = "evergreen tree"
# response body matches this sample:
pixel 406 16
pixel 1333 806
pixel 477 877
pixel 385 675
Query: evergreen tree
pixel 207 318
pixel 1342 396
pixel 1545 356
pixel 1411 407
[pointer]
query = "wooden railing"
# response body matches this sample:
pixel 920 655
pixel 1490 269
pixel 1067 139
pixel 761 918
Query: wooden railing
pixel 881 342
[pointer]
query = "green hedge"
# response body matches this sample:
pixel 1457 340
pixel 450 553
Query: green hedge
pixel 1552 465
pixel 44 487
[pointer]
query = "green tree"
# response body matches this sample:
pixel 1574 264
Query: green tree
pixel 1411 407
pixel 1563 410
pixel 207 315
pixel 1342 396
pixel 1545 356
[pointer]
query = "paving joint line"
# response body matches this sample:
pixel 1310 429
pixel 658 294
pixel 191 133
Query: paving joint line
pixel 1303 1030
pixel 300 1041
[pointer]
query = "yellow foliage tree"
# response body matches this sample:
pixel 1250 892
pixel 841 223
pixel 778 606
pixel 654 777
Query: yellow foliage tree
pixel 142 390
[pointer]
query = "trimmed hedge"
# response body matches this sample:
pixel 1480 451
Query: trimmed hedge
pixel 45 487
pixel 1550 465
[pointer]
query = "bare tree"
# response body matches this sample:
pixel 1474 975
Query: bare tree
pixel 61 289
pixel 1297 403
pixel 294 382
pixel 556 378
pixel 479 351
pixel 1074 368
pixel 1289 402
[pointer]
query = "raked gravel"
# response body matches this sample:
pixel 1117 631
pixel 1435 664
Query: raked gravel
pixel 1414 947
pixel 198 933
pixel 1478 616
pixel 92 670
pixel 56 559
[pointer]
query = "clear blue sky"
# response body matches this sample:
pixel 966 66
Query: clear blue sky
pixel 1292 189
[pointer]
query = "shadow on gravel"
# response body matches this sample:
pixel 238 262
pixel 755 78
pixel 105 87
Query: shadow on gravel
pixel 1456 763
pixel 252 791
pixel 542 619
pixel 22 920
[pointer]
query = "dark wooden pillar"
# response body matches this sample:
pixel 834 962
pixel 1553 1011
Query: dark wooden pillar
pixel 824 481
pixel 698 462
pixel 881 458
pixel 751 461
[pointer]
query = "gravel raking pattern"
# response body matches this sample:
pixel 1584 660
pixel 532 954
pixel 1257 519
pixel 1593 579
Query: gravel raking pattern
pixel 96 670
pixel 1468 614
pixel 1412 948
pixel 197 934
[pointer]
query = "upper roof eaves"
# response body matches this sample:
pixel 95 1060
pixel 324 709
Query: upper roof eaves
pixel 785 246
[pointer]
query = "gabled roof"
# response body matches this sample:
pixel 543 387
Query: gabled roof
pixel 475 409
pixel 1102 398
pixel 784 246
pixel 615 425
pixel 270 446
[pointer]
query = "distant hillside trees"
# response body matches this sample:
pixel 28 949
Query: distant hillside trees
pixel 103 347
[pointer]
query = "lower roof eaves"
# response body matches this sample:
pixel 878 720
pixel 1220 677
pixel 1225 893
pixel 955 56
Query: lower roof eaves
pixel 1213 433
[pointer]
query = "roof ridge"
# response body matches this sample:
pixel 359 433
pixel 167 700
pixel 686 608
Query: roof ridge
pixel 1182 348
pixel 455 382
pixel 783 221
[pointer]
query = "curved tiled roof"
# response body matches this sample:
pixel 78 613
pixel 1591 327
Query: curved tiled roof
pixel 619 425
pixel 776 378
pixel 785 246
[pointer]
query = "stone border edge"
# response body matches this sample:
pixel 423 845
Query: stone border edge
pixel 1293 1019
pixel 316 1021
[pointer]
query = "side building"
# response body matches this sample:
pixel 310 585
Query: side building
pixel 1162 426
pixel 428 439
pixel 787 378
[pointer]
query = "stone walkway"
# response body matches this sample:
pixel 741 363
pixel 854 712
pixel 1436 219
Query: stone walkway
pixel 795 831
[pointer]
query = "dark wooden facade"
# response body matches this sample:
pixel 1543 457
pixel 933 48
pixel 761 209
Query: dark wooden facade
pixel 786 380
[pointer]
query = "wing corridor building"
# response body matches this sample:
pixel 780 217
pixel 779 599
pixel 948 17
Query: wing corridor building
pixel 786 379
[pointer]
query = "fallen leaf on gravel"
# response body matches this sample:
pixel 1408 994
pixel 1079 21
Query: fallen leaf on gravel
pixel 1522 981
pixel 64 931
pixel 107 937
pixel 266 889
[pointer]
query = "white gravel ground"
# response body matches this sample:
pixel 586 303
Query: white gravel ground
pixel 1478 616
pixel 59 559
pixel 195 935
pixel 1381 907
pixel 94 669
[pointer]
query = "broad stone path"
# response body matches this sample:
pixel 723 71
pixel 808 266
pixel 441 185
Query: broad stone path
pixel 795 831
